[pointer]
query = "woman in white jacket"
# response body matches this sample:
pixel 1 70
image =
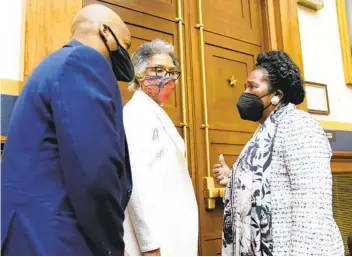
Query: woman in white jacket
pixel 162 215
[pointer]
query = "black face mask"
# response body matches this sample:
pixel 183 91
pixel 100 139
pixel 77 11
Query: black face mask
pixel 121 62
pixel 251 107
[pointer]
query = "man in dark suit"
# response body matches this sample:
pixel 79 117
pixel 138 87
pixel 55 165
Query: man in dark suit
pixel 65 169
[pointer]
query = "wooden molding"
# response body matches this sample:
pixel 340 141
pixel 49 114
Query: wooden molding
pixel 10 87
pixel 345 40
pixel 342 155
pixel 334 125
pixel 341 162
pixel 288 34
pixel 311 4
pixel 269 30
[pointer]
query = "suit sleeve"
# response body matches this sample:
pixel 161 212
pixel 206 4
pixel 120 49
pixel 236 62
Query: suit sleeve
pixel 146 165
pixel 307 158
pixel 84 118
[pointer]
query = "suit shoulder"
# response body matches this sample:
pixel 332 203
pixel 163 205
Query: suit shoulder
pixel 89 65
pixel 53 65
pixel 86 55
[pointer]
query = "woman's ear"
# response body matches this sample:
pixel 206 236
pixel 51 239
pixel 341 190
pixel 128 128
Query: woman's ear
pixel 277 98
pixel 140 79
pixel 280 94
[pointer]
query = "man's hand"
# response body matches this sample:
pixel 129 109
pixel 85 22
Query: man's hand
pixel 126 254
pixel 221 171
pixel 152 253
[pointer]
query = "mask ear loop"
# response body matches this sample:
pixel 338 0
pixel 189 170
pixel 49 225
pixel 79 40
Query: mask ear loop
pixel 115 38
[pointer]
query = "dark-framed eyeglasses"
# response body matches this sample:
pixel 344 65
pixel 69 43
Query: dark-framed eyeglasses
pixel 161 72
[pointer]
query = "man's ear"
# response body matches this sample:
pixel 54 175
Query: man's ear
pixel 103 31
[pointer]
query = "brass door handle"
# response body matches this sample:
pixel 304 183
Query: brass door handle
pixel 232 81
pixel 211 193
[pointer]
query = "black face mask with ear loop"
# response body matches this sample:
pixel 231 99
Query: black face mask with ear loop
pixel 122 65
pixel 251 107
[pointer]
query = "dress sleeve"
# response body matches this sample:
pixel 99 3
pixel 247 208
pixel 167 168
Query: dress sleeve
pixel 307 155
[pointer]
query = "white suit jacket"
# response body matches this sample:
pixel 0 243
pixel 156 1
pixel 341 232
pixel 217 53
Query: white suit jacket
pixel 162 212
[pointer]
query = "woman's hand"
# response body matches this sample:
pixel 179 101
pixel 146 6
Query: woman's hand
pixel 221 171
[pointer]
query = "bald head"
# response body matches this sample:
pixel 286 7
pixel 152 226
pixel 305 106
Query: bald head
pixel 91 26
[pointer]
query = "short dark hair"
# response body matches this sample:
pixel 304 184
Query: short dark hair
pixel 283 74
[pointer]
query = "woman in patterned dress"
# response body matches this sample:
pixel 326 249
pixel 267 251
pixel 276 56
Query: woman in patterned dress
pixel 278 198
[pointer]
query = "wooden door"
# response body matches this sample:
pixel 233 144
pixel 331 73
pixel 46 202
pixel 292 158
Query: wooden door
pixel 231 38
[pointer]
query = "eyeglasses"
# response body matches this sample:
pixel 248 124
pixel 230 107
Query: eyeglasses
pixel 161 72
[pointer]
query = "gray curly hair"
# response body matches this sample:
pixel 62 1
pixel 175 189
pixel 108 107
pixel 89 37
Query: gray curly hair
pixel 142 56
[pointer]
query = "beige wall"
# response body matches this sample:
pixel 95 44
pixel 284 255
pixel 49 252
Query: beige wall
pixel 12 27
pixel 322 58
pixel 12 19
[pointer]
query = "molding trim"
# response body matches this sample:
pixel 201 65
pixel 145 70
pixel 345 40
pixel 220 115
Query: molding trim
pixel 311 4
pixel 333 125
pixel 341 162
pixel 344 40
pixel 288 34
pixel 342 155
pixel 10 87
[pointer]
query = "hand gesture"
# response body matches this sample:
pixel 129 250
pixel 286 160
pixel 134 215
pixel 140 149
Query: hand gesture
pixel 221 171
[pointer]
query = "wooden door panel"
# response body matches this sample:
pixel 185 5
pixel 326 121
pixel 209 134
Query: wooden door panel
pixel 238 19
pixel 213 247
pixel 166 9
pixel 213 222
pixel 222 98
pixel 230 137
pixel 230 144
pixel 225 58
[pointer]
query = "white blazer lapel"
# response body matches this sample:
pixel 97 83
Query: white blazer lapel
pixel 171 129
pixel 164 119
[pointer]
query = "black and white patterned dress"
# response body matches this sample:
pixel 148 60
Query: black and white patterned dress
pixel 278 199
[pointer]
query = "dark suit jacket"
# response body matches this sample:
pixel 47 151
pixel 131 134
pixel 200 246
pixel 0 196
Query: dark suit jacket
pixel 65 179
